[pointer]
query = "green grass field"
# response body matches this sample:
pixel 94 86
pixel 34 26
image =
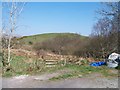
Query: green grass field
pixel 43 37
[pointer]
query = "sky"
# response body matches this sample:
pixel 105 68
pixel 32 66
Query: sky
pixel 57 17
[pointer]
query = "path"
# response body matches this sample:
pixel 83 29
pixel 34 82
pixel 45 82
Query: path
pixel 42 81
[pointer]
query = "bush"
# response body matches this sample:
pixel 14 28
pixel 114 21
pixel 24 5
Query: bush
pixel 30 42
pixel 64 45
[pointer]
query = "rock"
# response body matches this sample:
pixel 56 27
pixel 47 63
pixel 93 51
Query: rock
pixel 80 76
pixel 21 77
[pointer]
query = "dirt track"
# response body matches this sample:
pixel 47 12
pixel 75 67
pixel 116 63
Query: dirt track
pixel 42 81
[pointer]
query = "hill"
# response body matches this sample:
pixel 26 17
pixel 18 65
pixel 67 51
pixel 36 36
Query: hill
pixel 46 36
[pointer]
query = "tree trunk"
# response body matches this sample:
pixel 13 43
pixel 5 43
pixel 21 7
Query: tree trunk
pixel 9 51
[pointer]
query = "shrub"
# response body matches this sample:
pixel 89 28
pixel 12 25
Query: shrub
pixel 30 42
pixel 64 45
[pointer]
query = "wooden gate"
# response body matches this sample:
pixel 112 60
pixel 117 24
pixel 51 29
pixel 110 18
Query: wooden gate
pixel 51 63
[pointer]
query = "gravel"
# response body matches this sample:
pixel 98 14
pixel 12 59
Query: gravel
pixel 42 81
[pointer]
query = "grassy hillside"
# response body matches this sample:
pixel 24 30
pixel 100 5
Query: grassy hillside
pixel 43 37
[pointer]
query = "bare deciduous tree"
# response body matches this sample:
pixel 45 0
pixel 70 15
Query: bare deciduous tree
pixel 11 12
pixel 105 36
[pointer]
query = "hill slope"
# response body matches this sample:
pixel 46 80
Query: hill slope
pixel 46 36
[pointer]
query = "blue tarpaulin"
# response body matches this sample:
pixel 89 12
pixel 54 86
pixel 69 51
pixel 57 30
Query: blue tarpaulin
pixel 100 63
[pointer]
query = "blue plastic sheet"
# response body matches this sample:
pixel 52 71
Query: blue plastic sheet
pixel 100 63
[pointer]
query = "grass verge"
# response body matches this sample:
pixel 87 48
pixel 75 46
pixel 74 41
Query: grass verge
pixel 84 70
pixel 21 66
